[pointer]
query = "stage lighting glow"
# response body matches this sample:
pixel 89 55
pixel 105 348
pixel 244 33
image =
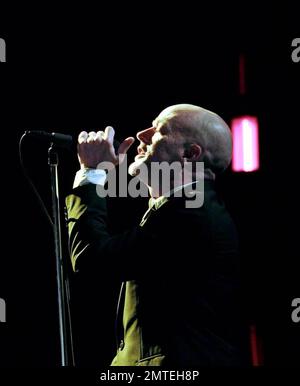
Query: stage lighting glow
pixel 245 156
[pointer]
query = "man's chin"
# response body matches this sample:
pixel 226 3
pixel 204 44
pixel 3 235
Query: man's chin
pixel 138 168
pixel 134 168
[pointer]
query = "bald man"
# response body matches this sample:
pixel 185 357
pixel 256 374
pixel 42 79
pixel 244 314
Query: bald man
pixel 179 298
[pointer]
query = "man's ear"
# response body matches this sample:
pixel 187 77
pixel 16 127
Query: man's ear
pixel 192 152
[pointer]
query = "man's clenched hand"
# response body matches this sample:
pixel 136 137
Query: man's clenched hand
pixel 94 148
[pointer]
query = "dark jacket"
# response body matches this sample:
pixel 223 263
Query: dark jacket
pixel 180 300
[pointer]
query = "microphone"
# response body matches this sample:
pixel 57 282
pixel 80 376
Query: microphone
pixel 58 139
pixel 61 140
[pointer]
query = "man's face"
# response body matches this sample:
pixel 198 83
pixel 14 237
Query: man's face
pixel 157 143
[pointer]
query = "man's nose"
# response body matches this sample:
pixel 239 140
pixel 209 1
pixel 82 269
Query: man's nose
pixel 146 135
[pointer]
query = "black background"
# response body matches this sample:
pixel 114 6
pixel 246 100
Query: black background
pixel 72 69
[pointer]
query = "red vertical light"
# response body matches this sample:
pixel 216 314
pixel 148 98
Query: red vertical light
pixel 245 155
pixel 242 75
pixel 256 347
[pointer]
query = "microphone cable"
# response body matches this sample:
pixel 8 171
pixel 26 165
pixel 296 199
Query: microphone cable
pixel 31 183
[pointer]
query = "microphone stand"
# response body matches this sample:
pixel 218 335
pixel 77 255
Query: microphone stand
pixel 65 331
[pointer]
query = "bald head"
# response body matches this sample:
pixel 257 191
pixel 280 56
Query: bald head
pixel 203 127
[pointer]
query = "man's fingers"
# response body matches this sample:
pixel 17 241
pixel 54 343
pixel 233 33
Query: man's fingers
pixel 109 134
pixel 82 137
pixel 91 137
pixel 99 136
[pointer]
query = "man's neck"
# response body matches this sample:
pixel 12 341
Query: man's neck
pixel 156 192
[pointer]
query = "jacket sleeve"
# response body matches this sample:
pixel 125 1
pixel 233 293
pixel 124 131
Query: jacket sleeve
pixel 90 244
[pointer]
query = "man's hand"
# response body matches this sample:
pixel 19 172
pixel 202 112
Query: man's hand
pixel 94 148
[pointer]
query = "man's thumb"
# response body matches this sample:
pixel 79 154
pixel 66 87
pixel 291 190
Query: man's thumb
pixel 123 148
pixel 125 145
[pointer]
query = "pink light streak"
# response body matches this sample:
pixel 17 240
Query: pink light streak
pixel 245 156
